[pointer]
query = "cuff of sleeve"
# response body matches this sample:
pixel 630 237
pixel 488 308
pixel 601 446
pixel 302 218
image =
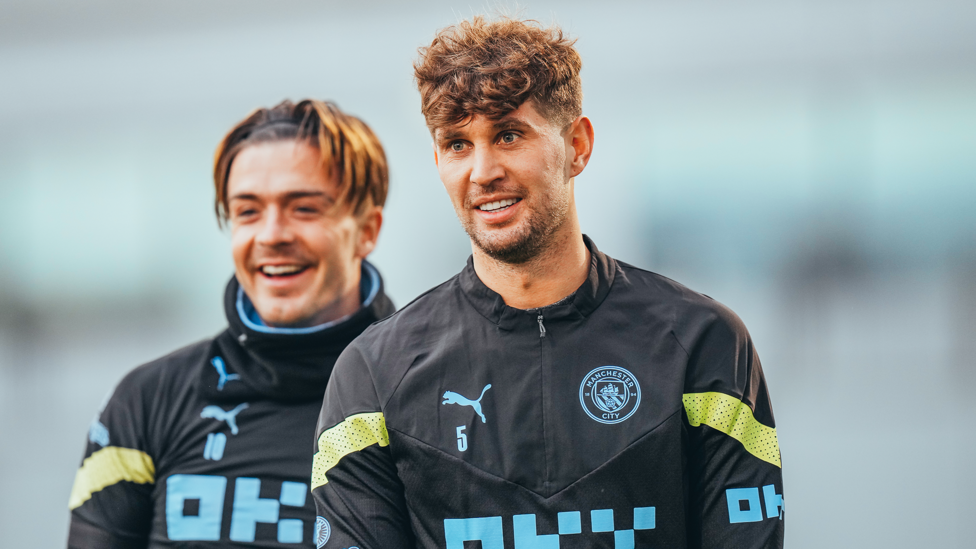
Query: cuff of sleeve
pixel 82 535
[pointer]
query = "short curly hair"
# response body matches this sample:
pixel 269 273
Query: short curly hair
pixel 492 67
pixel 349 149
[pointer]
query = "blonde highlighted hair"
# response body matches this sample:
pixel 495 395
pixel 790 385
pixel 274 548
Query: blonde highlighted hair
pixel 350 151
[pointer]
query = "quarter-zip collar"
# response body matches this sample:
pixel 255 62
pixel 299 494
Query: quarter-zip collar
pixel 291 364
pixel 584 301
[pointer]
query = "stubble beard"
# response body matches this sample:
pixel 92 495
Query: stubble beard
pixel 528 240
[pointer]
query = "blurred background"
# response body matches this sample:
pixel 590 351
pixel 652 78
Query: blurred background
pixel 811 164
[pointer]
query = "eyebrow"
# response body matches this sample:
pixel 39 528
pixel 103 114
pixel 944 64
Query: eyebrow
pixel 511 124
pixel 449 135
pixel 506 123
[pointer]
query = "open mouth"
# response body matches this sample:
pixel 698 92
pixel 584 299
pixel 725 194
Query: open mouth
pixel 282 271
pixel 499 205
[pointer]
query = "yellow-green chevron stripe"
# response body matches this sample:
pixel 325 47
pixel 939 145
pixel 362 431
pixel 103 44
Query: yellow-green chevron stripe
pixel 352 435
pixel 734 418
pixel 109 466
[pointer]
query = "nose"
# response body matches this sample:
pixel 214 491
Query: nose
pixel 485 168
pixel 275 230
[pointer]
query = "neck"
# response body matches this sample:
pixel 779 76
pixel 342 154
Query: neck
pixel 543 280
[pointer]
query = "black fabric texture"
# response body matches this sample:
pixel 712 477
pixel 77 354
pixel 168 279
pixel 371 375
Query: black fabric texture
pixel 182 412
pixel 289 366
pixel 82 535
pixel 521 387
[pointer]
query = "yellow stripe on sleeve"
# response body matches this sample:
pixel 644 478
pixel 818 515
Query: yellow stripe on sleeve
pixel 734 418
pixel 109 466
pixel 352 435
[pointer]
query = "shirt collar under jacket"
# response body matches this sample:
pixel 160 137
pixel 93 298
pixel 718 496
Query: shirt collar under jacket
pixel 294 363
pixel 584 301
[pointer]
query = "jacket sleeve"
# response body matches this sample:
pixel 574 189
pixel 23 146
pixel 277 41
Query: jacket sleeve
pixel 111 499
pixel 735 468
pixel 358 496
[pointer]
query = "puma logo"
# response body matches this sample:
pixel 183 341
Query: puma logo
pixel 222 375
pixel 450 397
pixel 228 417
pixel 98 433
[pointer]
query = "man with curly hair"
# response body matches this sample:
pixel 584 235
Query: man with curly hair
pixel 548 396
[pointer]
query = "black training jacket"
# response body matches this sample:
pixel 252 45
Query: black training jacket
pixel 208 447
pixel 632 414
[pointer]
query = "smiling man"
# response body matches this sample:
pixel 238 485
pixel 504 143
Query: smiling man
pixel 548 396
pixel 207 447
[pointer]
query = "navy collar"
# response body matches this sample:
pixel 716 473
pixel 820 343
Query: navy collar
pixel 291 363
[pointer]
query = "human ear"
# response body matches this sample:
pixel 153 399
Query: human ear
pixel 434 148
pixel 369 231
pixel 580 135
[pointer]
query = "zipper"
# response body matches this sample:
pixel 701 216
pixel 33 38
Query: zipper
pixel 548 445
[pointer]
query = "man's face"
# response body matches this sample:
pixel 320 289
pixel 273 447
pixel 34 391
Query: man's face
pixel 510 180
pixel 296 256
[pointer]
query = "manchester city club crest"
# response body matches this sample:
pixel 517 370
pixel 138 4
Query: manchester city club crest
pixel 322 532
pixel 610 394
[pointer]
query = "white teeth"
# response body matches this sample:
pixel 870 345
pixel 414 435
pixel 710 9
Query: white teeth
pixel 280 269
pixel 498 204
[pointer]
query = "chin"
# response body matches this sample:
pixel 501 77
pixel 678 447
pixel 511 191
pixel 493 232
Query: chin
pixel 514 244
pixel 513 251
pixel 283 315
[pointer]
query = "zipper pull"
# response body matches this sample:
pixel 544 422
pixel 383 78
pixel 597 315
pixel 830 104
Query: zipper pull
pixel 542 329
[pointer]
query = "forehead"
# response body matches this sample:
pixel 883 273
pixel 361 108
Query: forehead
pixel 278 167
pixel 526 116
